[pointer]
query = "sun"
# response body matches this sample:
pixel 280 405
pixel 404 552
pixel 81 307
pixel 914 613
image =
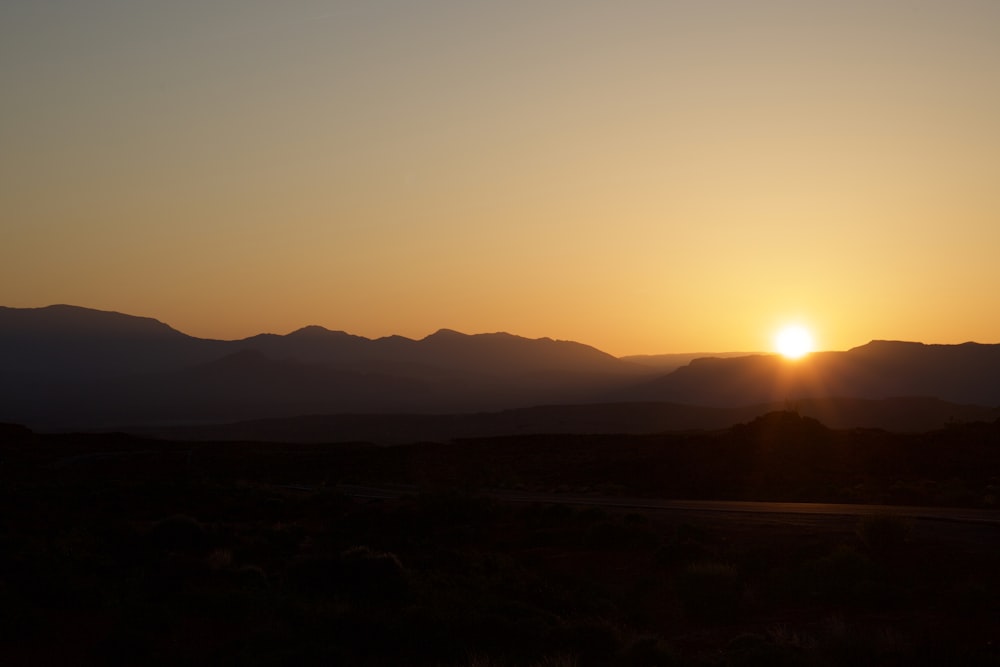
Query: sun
pixel 793 342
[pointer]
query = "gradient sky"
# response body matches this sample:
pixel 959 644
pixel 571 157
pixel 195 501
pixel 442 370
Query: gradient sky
pixel 657 176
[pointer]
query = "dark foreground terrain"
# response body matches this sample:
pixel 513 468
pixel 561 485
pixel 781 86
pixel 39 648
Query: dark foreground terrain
pixel 117 550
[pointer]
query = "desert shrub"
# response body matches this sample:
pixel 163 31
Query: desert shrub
pixel 972 596
pixel 596 641
pixel 909 492
pixel 484 661
pixel 557 660
pixel 709 590
pixel 178 533
pixel 454 507
pixel 552 515
pixel 359 573
pixel 843 576
pixel 323 503
pixel 268 545
pixel 274 650
pixel 608 534
pixel 841 571
pixel 640 601
pixel 645 651
pixel 845 643
pixel 315 575
pixel 778 649
pixel 372 574
pixel 955 492
pixel 883 534
pixel 249 577
pixel 632 531
pixel 687 543
pixel 592 515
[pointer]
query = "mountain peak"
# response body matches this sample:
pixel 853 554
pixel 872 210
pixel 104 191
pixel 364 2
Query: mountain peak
pixel 82 321
pixel 446 333
pixel 313 330
pixel 320 334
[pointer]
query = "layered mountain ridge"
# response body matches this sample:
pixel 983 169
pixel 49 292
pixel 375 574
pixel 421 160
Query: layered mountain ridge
pixel 65 366
pixel 71 367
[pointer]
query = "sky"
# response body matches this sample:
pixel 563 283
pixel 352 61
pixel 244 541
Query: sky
pixel 642 176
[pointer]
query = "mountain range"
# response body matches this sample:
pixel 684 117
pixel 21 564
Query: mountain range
pixel 66 367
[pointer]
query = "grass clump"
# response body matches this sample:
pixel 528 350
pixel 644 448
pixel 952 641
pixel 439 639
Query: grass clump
pixel 884 534
pixel 709 590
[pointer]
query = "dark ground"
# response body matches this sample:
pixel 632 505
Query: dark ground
pixel 115 550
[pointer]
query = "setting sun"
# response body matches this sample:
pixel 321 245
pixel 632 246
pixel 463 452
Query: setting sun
pixel 793 342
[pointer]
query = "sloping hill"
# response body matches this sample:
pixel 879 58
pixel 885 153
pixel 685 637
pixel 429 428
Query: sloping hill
pixel 967 373
pixel 69 343
pixel 895 414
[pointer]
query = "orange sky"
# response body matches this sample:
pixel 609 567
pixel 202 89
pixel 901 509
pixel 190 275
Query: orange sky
pixel 640 176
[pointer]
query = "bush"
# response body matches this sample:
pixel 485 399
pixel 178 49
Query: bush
pixel 597 641
pixel 709 590
pixel 179 533
pixel 686 544
pixel 359 573
pixel 778 649
pixel 884 534
pixel 650 650
pixel 843 574
pixel 372 574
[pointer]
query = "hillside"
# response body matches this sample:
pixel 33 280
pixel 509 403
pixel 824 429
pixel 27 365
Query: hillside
pixel 895 414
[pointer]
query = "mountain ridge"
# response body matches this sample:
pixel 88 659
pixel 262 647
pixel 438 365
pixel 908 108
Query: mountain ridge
pixel 64 366
pixel 52 375
pixel 965 373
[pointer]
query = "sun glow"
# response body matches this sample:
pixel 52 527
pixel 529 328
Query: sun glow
pixel 793 342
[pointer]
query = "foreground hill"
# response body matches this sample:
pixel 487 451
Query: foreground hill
pixel 894 414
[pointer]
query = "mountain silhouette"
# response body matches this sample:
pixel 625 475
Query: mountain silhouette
pixel 70 367
pixel 65 366
pixel 670 362
pixel 72 343
pixel 965 373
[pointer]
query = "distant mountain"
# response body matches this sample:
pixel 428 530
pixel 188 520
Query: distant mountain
pixel 669 362
pixel 69 342
pixel 499 354
pixel 967 374
pixel 66 366
pixel 71 367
